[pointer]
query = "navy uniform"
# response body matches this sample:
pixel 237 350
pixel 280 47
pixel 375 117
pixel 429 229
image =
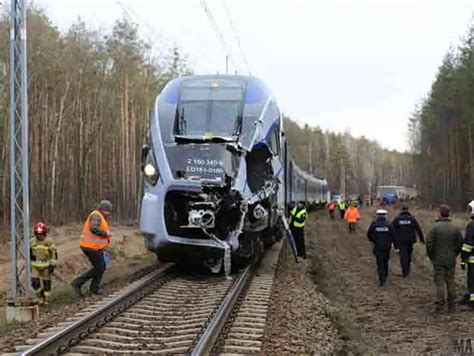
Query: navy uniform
pixel 406 227
pixel 381 235
pixel 297 220
pixel 467 258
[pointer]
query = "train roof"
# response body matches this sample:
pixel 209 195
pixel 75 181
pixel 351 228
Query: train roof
pixel 308 176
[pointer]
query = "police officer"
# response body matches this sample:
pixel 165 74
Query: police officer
pixel 381 235
pixel 467 258
pixel 297 221
pixel 406 227
pixel 443 244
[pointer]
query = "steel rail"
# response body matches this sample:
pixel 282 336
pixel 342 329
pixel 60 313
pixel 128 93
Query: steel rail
pixel 70 336
pixel 208 339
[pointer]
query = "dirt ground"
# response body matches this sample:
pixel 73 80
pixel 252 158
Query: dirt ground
pixel 127 245
pixel 130 260
pixel 397 318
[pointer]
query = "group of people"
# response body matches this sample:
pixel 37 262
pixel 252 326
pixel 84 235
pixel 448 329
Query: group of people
pixel 444 243
pixel 348 211
pixel 94 241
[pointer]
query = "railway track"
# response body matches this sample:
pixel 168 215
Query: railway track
pixel 166 313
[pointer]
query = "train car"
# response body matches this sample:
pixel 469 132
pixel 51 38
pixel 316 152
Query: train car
pixel 302 186
pixel 216 171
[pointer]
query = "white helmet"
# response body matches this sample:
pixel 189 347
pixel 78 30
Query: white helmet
pixel 471 205
pixel 381 212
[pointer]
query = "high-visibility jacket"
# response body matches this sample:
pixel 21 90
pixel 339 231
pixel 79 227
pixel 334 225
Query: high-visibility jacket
pixel 298 217
pixel 467 253
pixel 331 206
pixel 341 205
pixel 352 214
pixel 91 241
pixel 43 254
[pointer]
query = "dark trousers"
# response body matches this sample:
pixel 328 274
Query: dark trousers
pixel 470 282
pixel 298 236
pixel 405 258
pixel 342 213
pixel 331 214
pixel 382 257
pixel 96 258
pixel 352 227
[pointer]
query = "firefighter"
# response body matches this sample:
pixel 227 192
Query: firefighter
pixel 406 227
pixel 380 233
pixel 43 256
pixel 467 258
pixel 297 221
pixel 95 239
pixel 352 215
pixel 341 205
pixel 443 244
pixel 331 207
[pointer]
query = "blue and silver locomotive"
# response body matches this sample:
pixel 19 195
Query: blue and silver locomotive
pixel 216 170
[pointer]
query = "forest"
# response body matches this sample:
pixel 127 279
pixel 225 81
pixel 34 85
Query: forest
pixel 90 95
pixel 351 165
pixel 441 130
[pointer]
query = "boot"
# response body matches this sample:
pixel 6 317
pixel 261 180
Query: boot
pixel 77 289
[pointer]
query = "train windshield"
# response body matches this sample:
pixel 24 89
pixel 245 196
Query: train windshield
pixel 210 110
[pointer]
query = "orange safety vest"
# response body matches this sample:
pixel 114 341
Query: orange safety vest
pixel 352 215
pixel 91 241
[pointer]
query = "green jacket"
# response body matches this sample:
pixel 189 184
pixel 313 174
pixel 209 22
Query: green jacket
pixel 444 242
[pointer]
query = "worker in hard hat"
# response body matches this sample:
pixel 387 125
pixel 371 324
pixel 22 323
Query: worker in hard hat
pixel 43 256
pixel 406 227
pixel 467 258
pixel 95 239
pixel 381 235
pixel 352 216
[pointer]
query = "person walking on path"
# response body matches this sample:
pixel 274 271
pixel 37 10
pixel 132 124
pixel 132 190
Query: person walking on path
pixel 95 239
pixel 380 233
pixel 331 207
pixel 44 256
pixel 443 245
pixel 406 228
pixel 352 216
pixel 341 206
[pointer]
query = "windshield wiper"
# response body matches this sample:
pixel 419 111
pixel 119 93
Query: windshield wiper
pixel 182 123
pixel 199 138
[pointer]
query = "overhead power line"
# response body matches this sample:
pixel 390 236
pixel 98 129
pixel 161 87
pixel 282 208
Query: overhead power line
pixel 218 33
pixel 237 37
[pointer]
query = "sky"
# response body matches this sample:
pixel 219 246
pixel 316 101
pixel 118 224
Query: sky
pixel 357 66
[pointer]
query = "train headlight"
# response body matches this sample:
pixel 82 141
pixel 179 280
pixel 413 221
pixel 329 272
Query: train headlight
pixel 151 173
pixel 149 167
pixel 149 170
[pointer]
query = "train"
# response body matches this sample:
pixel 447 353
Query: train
pixel 218 176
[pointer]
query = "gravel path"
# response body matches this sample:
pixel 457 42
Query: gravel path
pixel 298 321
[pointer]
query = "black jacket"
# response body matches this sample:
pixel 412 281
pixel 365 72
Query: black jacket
pixel 468 242
pixel 405 228
pixel 381 234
